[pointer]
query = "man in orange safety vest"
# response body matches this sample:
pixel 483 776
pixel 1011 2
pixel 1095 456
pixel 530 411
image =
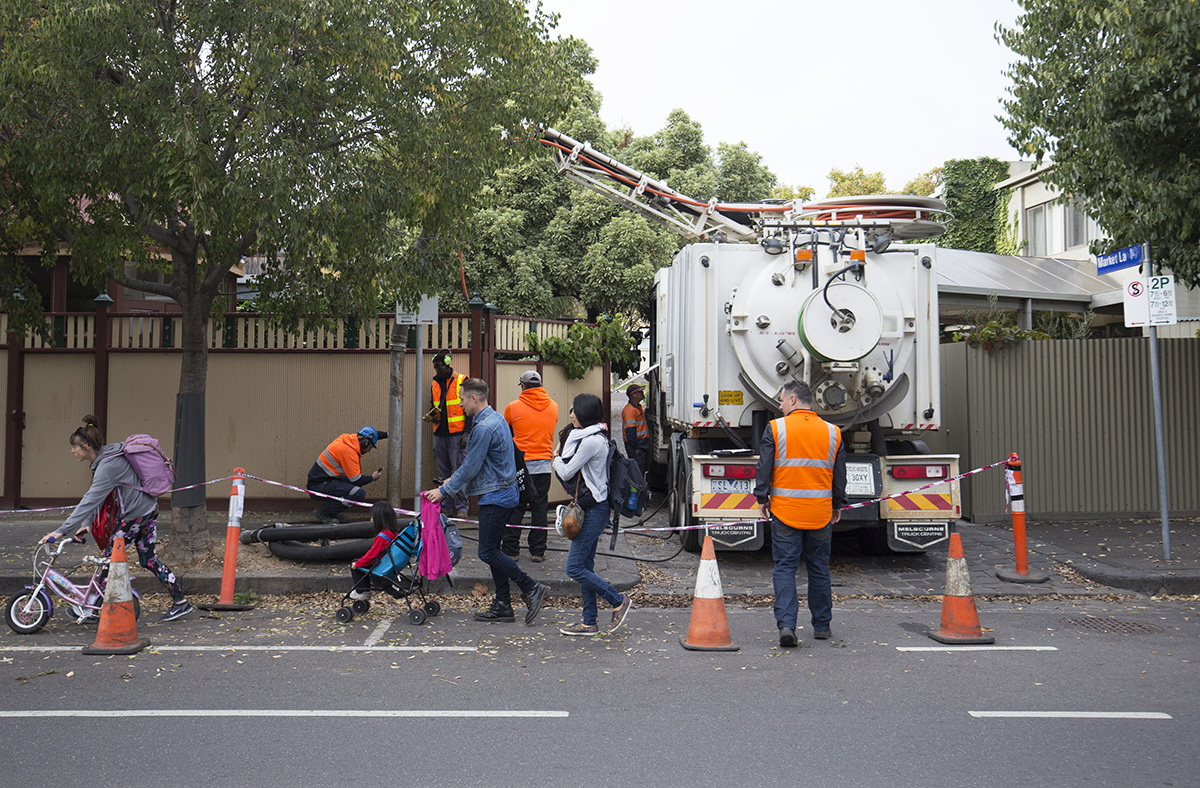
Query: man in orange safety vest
pixel 800 484
pixel 451 424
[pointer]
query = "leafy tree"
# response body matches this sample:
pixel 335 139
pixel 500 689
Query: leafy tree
pixel 1109 90
pixel 543 246
pixel 980 212
pixel 343 138
pixel 925 184
pixel 741 176
pixel 795 193
pixel 843 183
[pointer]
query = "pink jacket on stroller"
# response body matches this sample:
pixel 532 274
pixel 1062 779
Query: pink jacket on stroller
pixel 435 554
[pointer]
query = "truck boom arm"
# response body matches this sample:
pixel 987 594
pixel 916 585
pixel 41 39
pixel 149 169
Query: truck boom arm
pixel 653 199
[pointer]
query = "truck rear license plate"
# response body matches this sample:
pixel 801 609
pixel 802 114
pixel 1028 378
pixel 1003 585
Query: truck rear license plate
pixel 860 479
pixel 732 485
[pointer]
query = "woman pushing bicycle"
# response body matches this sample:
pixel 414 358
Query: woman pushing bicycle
pixel 136 512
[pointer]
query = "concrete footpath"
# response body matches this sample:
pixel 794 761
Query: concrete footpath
pixel 1082 558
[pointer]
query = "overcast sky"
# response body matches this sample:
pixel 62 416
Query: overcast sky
pixel 893 85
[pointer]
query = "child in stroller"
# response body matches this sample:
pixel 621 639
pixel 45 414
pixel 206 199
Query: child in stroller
pixel 380 568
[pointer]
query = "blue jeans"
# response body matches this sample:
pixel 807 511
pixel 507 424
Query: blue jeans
pixel 788 546
pixel 581 560
pixel 493 522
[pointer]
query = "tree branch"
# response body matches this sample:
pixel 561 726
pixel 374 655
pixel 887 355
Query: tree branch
pixel 158 288
pixel 160 234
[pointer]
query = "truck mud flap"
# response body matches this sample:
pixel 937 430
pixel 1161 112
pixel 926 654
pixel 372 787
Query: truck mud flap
pixel 737 537
pixel 916 536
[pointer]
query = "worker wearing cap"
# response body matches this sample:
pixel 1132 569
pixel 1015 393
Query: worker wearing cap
pixel 635 429
pixel 533 418
pixel 800 484
pixel 451 424
pixel 338 472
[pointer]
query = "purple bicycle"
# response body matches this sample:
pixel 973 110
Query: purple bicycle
pixel 29 610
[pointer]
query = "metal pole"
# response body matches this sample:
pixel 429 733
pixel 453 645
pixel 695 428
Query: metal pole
pixel 1158 437
pixel 417 417
pixel 395 450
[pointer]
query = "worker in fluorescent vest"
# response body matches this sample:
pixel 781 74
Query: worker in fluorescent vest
pixel 801 487
pixel 451 424
pixel 634 428
pixel 338 471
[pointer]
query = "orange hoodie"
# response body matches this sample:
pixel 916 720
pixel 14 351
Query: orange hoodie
pixel 533 418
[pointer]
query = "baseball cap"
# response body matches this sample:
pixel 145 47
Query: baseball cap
pixel 531 378
pixel 372 434
pixel 633 388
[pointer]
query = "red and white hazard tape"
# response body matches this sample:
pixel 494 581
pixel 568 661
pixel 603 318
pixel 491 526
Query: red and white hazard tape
pixel 72 506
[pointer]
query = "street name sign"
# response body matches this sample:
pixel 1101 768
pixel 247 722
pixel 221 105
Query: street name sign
pixel 1129 257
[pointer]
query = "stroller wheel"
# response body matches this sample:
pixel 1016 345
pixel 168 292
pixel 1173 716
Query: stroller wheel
pixel 345 615
pixel 432 608
pixel 361 606
pixel 417 616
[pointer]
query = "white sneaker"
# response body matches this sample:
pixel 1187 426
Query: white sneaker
pixel 360 596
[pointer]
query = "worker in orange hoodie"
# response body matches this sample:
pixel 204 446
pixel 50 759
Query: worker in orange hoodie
pixel 533 418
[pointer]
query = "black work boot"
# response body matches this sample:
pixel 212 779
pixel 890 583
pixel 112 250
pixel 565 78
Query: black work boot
pixel 497 612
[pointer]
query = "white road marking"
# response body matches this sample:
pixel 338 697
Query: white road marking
pixel 338 648
pixel 31 713
pixel 976 648
pixel 379 632
pixel 1083 715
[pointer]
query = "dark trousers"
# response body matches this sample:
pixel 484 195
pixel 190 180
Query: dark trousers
pixel 338 487
pixel 536 499
pixel 788 547
pixel 493 522
pixel 638 451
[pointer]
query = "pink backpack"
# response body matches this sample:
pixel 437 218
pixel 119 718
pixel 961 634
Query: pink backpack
pixel 153 467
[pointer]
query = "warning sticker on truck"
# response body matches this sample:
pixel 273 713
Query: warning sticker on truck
pixel 729 397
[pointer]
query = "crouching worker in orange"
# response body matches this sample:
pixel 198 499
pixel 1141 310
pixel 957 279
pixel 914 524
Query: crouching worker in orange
pixel 338 472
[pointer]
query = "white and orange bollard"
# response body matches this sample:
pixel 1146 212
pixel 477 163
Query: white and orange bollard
pixel 233 532
pixel 960 620
pixel 709 626
pixel 117 633
pixel 1016 498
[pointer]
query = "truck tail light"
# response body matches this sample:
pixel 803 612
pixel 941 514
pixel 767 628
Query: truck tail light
pixel 729 471
pixel 920 471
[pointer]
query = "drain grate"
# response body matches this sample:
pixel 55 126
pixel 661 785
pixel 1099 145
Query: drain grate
pixel 1111 625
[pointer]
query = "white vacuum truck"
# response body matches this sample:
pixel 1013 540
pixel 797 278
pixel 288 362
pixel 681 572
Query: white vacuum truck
pixel 834 294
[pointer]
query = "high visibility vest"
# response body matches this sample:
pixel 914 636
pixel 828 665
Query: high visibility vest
pixel 342 459
pixel 635 417
pixel 802 481
pixel 456 418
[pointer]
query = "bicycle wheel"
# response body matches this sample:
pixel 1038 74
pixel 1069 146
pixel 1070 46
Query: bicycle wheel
pixel 27 621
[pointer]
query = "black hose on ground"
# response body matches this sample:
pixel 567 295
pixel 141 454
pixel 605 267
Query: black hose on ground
pixel 345 550
pixel 304 533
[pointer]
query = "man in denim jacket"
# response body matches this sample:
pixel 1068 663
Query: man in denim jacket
pixel 490 472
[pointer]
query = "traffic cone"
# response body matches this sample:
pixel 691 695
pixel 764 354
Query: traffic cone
pixel 709 628
pixel 117 633
pixel 960 621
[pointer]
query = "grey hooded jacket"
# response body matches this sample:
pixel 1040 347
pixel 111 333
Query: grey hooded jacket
pixel 110 471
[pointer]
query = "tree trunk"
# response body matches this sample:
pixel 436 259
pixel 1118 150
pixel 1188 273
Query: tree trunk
pixel 190 537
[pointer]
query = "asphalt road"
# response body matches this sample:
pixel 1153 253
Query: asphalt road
pixel 626 709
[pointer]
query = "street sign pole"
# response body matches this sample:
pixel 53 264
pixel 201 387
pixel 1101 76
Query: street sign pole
pixel 1158 436
pixel 1160 444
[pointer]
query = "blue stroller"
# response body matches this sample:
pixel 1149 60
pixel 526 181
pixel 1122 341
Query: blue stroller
pixel 389 576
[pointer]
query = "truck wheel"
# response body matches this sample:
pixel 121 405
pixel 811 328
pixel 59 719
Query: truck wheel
pixel 690 539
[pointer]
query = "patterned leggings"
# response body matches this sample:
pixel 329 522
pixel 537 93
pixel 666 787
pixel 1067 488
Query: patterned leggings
pixel 143 533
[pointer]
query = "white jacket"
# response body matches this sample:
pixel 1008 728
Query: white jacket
pixel 587 450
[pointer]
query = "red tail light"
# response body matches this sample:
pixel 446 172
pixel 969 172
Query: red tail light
pixel 920 471
pixel 729 471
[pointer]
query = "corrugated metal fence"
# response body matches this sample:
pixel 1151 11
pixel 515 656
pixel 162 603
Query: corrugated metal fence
pixel 1080 415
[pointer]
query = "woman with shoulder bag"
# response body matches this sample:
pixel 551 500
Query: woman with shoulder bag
pixel 582 467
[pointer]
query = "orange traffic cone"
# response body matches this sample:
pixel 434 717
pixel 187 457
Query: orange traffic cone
pixel 117 633
pixel 709 628
pixel 960 621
